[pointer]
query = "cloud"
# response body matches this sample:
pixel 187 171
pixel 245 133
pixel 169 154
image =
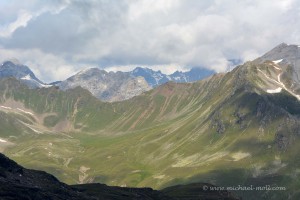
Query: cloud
pixel 24 16
pixel 50 65
pixel 158 34
pixel 21 21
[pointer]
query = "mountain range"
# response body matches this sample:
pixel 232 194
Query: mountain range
pixel 156 78
pixel 107 86
pixel 229 129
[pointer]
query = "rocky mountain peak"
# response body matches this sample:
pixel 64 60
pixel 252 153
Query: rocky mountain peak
pixel 12 68
pixel 285 57
pixel 14 61
pixel 91 71
pixel 107 86
pixel 287 53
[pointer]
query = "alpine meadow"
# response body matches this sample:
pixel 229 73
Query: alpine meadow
pixel 174 112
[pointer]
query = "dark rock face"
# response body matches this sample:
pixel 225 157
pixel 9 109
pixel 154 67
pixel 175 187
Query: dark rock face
pixel 198 191
pixel 18 183
pixel 195 191
pixel 218 124
pixel 102 191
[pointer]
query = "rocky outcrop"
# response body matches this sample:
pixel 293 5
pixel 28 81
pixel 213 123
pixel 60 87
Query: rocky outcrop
pixel 17 182
pixel 107 86
pixel 287 57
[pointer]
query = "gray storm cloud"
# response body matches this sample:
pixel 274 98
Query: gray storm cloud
pixel 57 38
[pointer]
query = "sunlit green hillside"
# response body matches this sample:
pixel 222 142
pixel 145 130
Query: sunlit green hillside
pixel 226 130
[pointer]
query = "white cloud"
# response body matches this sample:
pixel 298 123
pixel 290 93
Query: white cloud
pixel 285 5
pixel 23 18
pixel 47 67
pixel 147 7
pixel 24 15
pixel 120 35
pixel 249 55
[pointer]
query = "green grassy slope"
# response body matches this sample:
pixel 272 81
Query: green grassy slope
pixel 225 130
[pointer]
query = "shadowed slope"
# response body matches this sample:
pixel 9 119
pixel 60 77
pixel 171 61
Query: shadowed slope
pixel 17 182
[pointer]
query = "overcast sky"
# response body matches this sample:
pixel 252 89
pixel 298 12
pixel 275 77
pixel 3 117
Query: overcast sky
pixel 56 38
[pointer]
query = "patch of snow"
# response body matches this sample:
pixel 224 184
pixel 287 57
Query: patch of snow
pixel 278 90
pixel 1 140
pixel 157 77
pixel 276 67
pixel 27 77
pixel 280 83
pixel 185 79
pixel 177 78
pixel 277 61
pixel 292 93
pixel 268 77
pixel 30 113
pixel 168 77
pixel 45 86
pixel 6 107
